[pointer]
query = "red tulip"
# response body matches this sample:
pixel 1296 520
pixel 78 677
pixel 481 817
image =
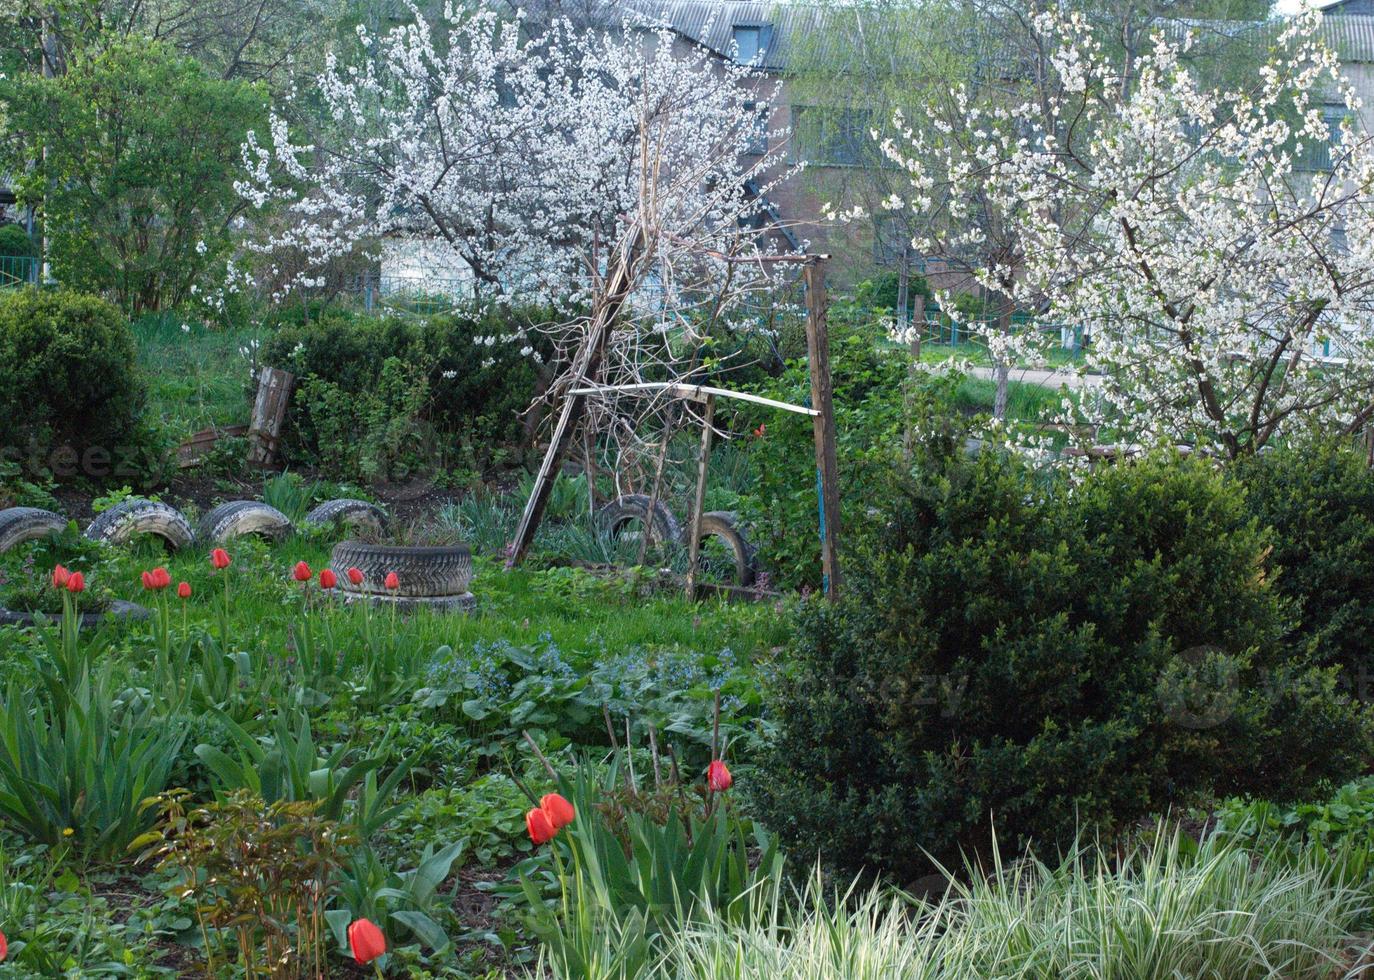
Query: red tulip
pixel 220 559
pixel 366 940
pixel 328 579
pixel 184 590
pixel 156 580
pixel 302 572
pixel 540 827
pixel 59 577
pixel 76 584
pixel 559 811
pixel 355 575
pixel 393 581
pixel 4 947
pixel 718 778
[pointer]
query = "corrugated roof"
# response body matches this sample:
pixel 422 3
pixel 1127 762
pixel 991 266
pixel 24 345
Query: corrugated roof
pixel 711 23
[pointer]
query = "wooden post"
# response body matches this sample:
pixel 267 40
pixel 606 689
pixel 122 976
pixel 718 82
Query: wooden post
pixel 269 411
pixel 827 467
pixel 574 406
pixel 699 504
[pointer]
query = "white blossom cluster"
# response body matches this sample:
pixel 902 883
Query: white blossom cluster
pixel 1228 287
pixel 542 161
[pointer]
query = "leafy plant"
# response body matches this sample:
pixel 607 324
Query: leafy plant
pixel 640 862
pixel 288 766
pixel 75 771
pixel 261 871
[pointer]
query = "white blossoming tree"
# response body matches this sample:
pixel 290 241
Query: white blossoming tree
pixel 545 162
pixel 1228 286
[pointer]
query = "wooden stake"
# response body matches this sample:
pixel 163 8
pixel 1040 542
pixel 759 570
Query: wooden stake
pixel 827 467
pixel 269 412
pixel 574 405
pixel 699 505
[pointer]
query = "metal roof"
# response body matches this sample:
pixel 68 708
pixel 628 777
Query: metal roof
pixel 711 23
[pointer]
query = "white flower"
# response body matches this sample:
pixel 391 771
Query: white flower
pixel 449 375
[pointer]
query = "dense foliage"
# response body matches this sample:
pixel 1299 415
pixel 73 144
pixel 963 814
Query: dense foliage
pixel 128 151
pixel 394 398
pixel 15 242
pixel 71 400
pixel 1019 654
pixel 1320 503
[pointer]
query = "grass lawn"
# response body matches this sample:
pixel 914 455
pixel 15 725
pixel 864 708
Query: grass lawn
pixel 197 377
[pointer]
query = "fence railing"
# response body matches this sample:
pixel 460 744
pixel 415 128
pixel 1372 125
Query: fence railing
pixel 18 270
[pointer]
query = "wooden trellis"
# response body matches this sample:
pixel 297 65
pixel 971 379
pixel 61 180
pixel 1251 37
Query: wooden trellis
pixel 821 411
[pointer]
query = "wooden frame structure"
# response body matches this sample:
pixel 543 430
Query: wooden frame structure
pixel 821 411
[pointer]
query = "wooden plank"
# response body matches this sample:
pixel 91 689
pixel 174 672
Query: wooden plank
pixel 574 401
pixel 269 412
pixel 827 467
pixel 697 393
pixel 699 504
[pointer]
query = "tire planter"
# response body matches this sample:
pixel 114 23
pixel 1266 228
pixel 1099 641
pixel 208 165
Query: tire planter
pixel 239 517
pixel 138 516
pixel 347 513
pixel 616 518
pixel 724 526
pixel 434 577
pixel 20 524
pixel 119 610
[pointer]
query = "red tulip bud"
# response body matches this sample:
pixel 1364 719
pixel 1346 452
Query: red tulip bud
pixel 328 579
pixel 184 590
pixel 76 584
pixel 302 572
pixel 59 577
pixel 355 575
pixel 540 827
pixel 366 940
pixel 718 778
pixel 393 581
pixel 4 947
pixel 220 559
pixel 559 811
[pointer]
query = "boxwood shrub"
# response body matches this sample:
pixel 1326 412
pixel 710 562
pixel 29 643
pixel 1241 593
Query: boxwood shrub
pixel 1021 656
pixel 71 399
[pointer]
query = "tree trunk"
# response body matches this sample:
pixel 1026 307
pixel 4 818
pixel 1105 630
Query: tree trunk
pixel 1001 369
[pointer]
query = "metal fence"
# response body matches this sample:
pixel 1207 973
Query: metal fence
pixel 18 270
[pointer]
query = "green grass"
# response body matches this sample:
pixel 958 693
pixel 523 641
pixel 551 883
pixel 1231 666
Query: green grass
pixel 572 608
pixel 197 377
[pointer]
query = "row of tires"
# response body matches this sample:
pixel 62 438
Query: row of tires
pixel 136 516
pixel 630 513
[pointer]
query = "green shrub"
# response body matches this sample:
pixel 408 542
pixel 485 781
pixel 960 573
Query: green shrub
pixel 71 399
pixel 1319 500
pixel 879 406
pixel 1019 653
pixel 15 242
pixel 393 398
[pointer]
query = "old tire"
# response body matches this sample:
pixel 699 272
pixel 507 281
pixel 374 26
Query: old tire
pixel 20 524
pixel 239 517
pixel 425 573
pixel 348 513
pixel 724 527
pixel 615 518
pixel 135 516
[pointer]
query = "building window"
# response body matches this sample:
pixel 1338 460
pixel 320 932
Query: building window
pixel 758 136
pixel 830 137
pixel 751 41
pixel 1317 155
